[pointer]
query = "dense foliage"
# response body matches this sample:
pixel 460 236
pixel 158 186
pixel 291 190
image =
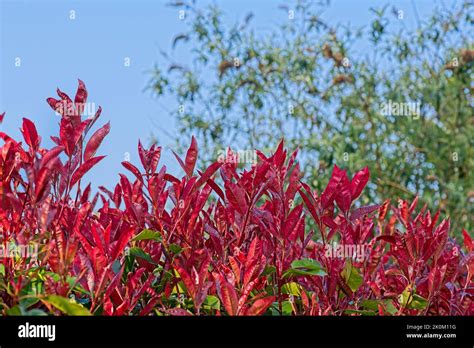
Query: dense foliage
pixel 220 241
pixel 326 87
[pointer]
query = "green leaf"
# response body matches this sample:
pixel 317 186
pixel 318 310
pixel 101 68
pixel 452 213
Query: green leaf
pixel 66 306
pixel 36 312
pixel 373 305
pixel 148 235
pixel 29 301
pixel 291 288
pixel 15 311
pixel 352 277
pixel 305 267
pixel 56 277
pixel 286 309
pixel 358 311
pixel 212 302
pixel 409 299
pixel 20 310
pixel 138 252
pixel 404 297
pixel 269 270
pixel 417 302
pixel 175 248
pixel 390 308
pixel 370 304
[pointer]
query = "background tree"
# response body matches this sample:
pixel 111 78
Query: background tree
pixel 309 82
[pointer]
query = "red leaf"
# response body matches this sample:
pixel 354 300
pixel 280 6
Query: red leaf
pixel 228 297
pixel 154 157
pixel 309 204
pixel 204 268
pixel 63 96
pixel 149 307
pixel 56 140
pixel 343 195
pixel 114 282
pixel 54 103
pixel 142 155
pixel 216 188
pixel 191 157
pixel 383 209
pixel 51 154
pixel 180 161
pixel 467 241
pixel 95 141
pixel 236 196
pixel 85 194
pixel 187 280
pixel 252 252
pixel 81 97
pixel 403 211
pixel 70 134
pixel 96 236
pixel 358 182
pixel 171 178
pixel 413 205
pixel 235 268
pixel 292 221
pixel 280 154
pixel 252 271
pixel 84 168
pixel 30 134
pixel 260 306
pixel 387 238
pixel 96 116
pixel 90 257
pixel 294 183
pixel 41 182
pixel 328 195
pixel 363 211
pixel 68 109
pixel 123 239
pixel 1 117
pixel 133 169
pixel 208 173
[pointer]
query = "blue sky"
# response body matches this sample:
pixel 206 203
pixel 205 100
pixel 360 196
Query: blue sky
pixel 56 50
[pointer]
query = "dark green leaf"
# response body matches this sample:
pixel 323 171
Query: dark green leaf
pixel 66 306
pixel 148 235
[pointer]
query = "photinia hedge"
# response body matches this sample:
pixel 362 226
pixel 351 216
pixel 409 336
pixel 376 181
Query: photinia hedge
pixel 220 241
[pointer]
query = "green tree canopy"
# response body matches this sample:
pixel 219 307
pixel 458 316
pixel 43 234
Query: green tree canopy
pixel 399 102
